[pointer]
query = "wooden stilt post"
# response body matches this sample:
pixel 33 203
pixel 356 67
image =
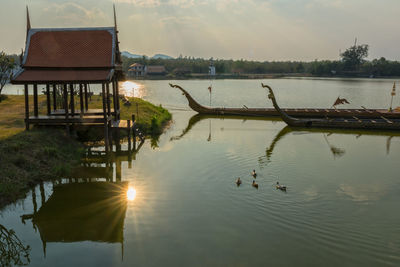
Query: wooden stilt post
pixel 109 115
pixel 114 99
pixel 35 101
pixel 103 91
pixel 66 106
pixel 118 169
pixel 54 97
pixel 81 98
pixel 34 200
pixel 129 132
pixel 48 99
pixel 108 99
pixel 71 88
pixel 42 193
pixel 117 95
pixel 117 140
pixel 110 133
pixel 26 107
pixel 86 98
pixel 133 132
pixel 109 170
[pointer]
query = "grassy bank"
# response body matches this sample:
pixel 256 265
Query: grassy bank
pixel 28 157
pixel 150 118
pixel 12 114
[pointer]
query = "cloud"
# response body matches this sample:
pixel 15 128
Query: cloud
pixel 157 3
pixel 72 13
pixel 141 3
pixel 362 193
pixel 186 21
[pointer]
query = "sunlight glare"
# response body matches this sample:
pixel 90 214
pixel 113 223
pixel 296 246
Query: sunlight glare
pixel 131 193
pixel 131 89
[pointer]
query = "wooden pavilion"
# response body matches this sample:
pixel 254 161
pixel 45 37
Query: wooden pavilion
pixel 66 60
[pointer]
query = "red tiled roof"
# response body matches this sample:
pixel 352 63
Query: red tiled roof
pixel 69 48
pixel 39 76
pixel 136 64
pixel 155 69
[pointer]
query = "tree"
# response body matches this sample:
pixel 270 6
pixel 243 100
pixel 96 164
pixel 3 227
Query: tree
pixel 354 56
pixel 12 250
pixel 6 67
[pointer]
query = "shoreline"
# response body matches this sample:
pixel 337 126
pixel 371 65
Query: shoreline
pixel 253 77
pixel 28 158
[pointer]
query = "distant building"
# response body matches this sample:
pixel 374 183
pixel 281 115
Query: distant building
pixel 155 70
pixel 237 71
pixel 182 71
pixel 136 69
pixel 211 68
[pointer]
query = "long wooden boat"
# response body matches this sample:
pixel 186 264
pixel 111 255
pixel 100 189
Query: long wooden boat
pixel 295 112
pixel 381 123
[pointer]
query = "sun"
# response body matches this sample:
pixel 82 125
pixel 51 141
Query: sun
pixel 131 89
pixel 131 193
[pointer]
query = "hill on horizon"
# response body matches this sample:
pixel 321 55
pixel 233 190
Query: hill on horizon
pixel 156 56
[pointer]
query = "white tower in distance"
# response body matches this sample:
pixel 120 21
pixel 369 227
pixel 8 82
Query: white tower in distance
pixel 211 68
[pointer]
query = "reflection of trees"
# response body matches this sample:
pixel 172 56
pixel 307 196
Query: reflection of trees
pixel 12 250
pixel 154 142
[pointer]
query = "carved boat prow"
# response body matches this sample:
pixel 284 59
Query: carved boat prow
pixel 291 121
pixel 379 123
pixel 193 104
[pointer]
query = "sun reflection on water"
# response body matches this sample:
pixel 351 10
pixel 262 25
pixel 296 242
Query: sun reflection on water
pixel 132 89
pixel 131 193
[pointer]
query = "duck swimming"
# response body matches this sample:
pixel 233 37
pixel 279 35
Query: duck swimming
pixel 238 181
pixel 254 184
pixel 281 187
pixel 254 174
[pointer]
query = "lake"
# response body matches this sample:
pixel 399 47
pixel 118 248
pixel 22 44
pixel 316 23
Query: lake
pixel 183 207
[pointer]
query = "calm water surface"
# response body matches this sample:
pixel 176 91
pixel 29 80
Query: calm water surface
pixel 183 208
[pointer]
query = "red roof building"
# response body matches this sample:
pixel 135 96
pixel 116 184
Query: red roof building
pixel 68 59
pixel 92 54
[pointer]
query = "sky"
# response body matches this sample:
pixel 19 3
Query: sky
pixel 264 30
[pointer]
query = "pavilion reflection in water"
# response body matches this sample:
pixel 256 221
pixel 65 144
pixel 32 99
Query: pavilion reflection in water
pixel 90 205
pixel 77 212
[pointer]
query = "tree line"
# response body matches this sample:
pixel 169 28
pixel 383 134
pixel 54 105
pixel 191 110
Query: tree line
pixel 352 63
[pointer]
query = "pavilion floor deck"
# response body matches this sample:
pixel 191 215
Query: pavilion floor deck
pixel 59 120
pixel 61 112
pixel 87 120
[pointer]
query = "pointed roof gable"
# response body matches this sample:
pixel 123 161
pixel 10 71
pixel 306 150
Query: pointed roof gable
pixel 70 55
pixel 70 48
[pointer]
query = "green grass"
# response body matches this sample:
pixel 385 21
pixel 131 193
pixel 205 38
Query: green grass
pixel 32 156
pixel 28 157
pixel 150 118
pixel 12 114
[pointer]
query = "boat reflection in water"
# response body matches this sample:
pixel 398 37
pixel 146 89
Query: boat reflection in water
pixel 336 151
pixel 326 133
